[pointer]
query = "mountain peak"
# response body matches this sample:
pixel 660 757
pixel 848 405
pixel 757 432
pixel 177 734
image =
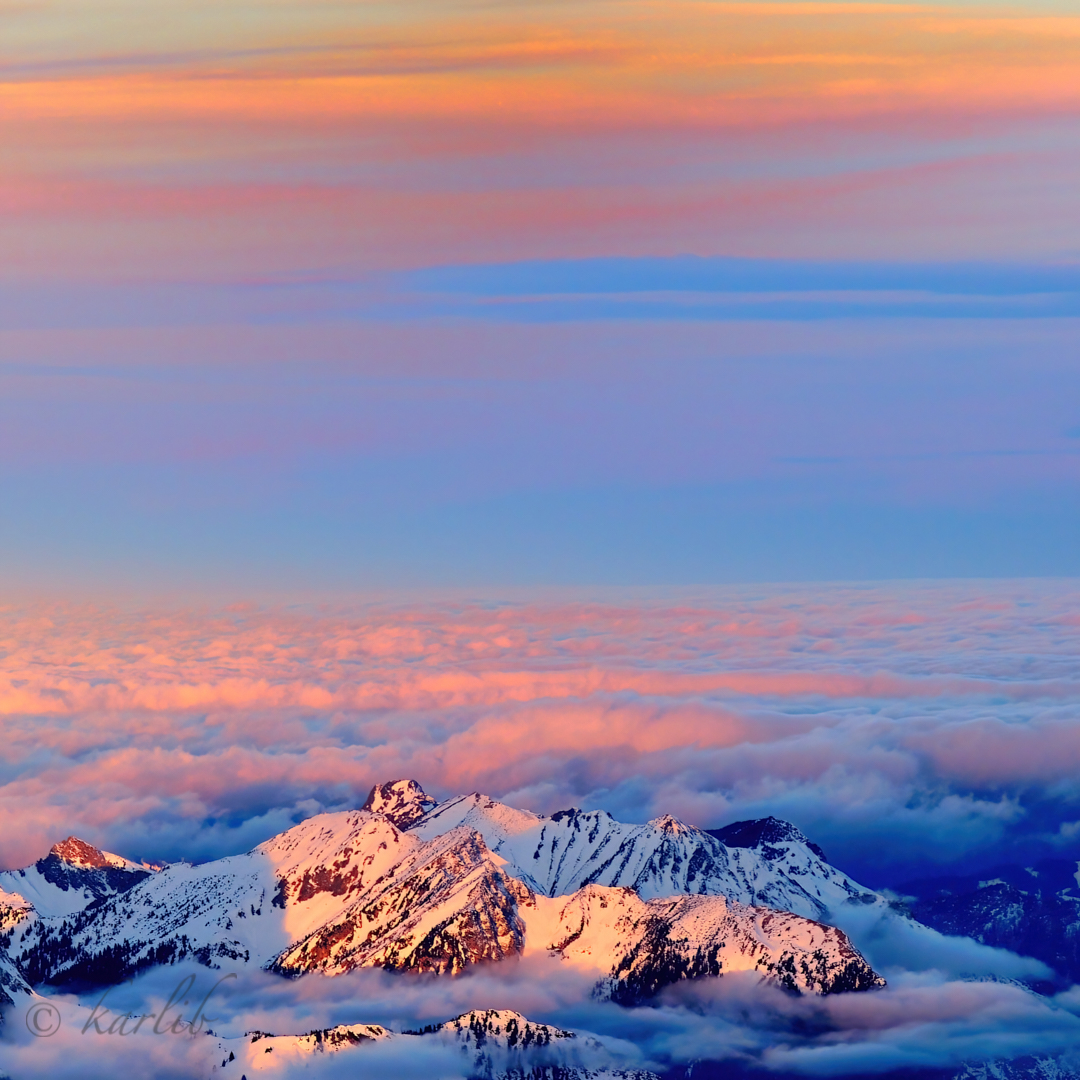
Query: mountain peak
pixel 761 832
pixel 505 1026
pixel 668 824
pixel 79 853
pixel 404 802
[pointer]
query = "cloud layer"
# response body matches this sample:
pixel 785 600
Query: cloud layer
pixel 921 1020
pixel 901 727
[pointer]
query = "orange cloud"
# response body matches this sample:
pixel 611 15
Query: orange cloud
pixel 645 63
pixel 255 151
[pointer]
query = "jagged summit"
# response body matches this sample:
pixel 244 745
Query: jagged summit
pixel 404 802
pixel 668 824
pixel 764 832
pixel 73 875
pixel 80 853
pixel 557 855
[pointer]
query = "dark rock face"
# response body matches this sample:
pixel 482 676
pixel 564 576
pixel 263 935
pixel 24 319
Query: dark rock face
pixel 1034 911
pixel 100 879
pixel 762 833
pixel 404 802
pixel 452 910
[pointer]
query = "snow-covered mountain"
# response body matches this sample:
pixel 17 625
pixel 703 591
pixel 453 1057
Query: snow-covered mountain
pixel 558 855
pixel 640 946
pixel 357 892
pixel 472 881
pixel 71 877
pixel 1032 910
pixel 243 908
pixel 495 1044
pixel 447 905
pixel 262 1052
pixel 428 919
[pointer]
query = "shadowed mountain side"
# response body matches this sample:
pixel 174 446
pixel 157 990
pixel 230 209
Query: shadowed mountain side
pixel 1031 910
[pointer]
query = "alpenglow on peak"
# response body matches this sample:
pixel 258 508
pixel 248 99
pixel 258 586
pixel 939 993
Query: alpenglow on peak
pixel 404 802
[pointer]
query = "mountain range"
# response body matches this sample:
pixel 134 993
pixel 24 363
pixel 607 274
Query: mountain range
pixel 405 884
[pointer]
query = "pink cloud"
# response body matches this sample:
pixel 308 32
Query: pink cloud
pixel 124 723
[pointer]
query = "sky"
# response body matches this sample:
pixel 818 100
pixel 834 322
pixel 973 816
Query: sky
pixel 315 299
pixel 651 407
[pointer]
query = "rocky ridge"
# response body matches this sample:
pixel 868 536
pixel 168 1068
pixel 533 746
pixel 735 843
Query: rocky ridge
pixel 72 876
pixel 493 1044
pixel 558 855
pixel 468 882
pixel 647 945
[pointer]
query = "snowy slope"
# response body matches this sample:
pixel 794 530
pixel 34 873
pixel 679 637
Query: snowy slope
pixel 502 1043
pixel 637 947
pixel 72 876
pixel 261 1052
pixel 557 856
pixel 13 910
pixel 13 985
pixel 243 908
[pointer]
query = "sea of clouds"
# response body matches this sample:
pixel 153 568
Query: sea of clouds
pixel 927 1019
pixel 907 728
pixel 904 728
